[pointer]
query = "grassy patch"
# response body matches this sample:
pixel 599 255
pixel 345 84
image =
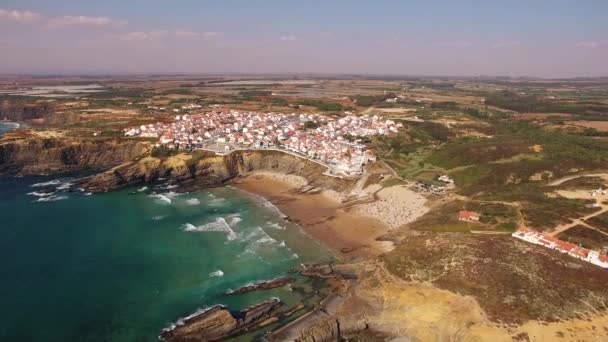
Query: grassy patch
pixel 586 237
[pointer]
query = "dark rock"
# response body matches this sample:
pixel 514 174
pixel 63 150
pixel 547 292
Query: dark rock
pixel 264 285
pixel 218 323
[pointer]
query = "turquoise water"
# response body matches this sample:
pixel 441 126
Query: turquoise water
pixel 121 266
pixel 5 128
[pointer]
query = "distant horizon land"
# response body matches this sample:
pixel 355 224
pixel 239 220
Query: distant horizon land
pixel 289 75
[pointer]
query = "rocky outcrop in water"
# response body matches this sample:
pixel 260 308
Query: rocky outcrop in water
pixel 264 285
pixel 218 323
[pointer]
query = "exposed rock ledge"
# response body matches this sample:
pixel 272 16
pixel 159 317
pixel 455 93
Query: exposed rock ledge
pixel 263 285
pixel 218 323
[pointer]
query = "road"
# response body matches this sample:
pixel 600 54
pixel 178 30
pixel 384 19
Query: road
pixel 565 179
pixel 580 221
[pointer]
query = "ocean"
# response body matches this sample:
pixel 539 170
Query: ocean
pixel 124 265
pixel 5 127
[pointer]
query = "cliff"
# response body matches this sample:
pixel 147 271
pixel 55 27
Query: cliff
pixel 23 112
pixel 35 156
pixel 200 169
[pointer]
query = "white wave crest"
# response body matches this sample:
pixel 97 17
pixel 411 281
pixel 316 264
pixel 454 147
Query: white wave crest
pixel 260 237
pixel 193 201
pixel 219 225
pixel 275 225
pixel 234 221
pixel 142 189
pixel 40 194
pixel 263 202
pixel 49 183
pixel 182 321
pixel 216 274
pixel 158 217
pixel 65 186
pixel 52 198
pixel 217 201
pixel 162 199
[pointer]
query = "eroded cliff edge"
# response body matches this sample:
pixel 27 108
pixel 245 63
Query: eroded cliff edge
pixel 26 155
pixel 201 169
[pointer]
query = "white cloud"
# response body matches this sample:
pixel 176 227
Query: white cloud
pixel 505 44
pixel 288 38
pixel 80 21
pixel 193 34
pixel 22 17
pixel 592 44
pixel 144 35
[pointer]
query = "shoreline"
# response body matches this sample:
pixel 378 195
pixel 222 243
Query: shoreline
pixel 349 232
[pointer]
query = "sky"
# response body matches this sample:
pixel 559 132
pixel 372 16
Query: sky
pixel 542 38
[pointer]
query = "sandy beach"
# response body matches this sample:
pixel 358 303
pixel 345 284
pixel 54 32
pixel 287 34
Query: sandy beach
pixel 350 232
pixel 348 235
pixel 395 206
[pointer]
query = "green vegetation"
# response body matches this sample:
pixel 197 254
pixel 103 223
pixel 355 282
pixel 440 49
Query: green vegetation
pixel 277 101
pixel 323 106
pixel 586 237
pixel 254 93
pixel 534 104
pixel 311 125
pixel 371 100
pixel 600 222
pixel 162 152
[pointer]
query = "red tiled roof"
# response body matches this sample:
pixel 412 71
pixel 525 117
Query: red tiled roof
pixel 465 215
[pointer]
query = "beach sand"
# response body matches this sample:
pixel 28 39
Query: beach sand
pixel 348 234
pixel 395 206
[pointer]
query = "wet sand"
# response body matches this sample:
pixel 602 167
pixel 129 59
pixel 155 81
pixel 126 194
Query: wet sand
pixel 349 235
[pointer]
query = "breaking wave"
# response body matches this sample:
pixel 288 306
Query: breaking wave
pixel 51 198
pixel 275 225
pixel 193 201
pixel 263 202
pixel 49 183
pixel 216 274
pixel 40 194
pixel 219 225
pixel 142 189
pixel 161 199
pixel 182 321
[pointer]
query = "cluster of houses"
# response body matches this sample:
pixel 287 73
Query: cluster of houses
pixel 571 249
pixel 330 141
pixel 188 107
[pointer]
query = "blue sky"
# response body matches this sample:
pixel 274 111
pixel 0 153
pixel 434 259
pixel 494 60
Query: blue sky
pixel 551 38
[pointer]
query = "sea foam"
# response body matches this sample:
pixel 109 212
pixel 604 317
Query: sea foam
pixel 52 198
pixel 216 274
pixel 49 183
pixel 219 225
pixel 193 201
pixel 162 199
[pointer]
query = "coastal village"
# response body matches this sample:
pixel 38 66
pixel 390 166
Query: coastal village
pixel 333 142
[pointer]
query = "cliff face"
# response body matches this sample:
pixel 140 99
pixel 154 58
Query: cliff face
pixel 34 156
pixel 202 170
pixel 24 112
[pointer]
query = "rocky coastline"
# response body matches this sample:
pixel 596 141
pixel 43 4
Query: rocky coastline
pixel 263 285
pixel 123 163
